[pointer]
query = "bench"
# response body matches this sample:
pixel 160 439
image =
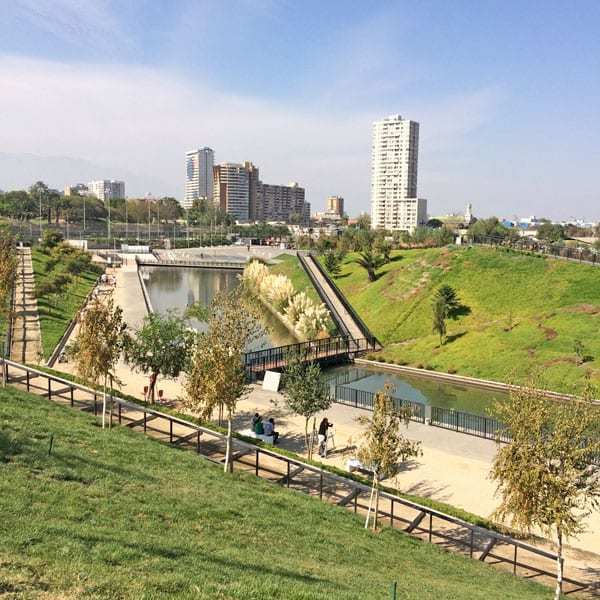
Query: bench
pixel 257 436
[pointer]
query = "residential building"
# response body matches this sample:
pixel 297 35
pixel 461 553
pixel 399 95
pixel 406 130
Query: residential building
pixel 282 203
pixel 253 191
pixel 394 164
pixel 231 189
pixel 107 189
pixel 335 205
pixel 199 175
pixel 79 189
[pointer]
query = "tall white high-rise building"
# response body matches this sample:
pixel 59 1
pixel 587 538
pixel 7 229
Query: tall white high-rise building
pixel 107 189
pixel 199 175
pixel 394 163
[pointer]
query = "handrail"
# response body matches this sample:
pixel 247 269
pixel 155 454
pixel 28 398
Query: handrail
pixel 342 298
pixel 356 486
pixel 324 297
pixel 209 264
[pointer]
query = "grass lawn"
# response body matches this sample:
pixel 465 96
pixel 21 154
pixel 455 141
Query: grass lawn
pixel 55 314
pixel 117 515
pixel 289 265
pixel 524 312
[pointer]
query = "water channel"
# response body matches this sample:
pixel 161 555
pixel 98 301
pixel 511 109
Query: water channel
pixel 176 288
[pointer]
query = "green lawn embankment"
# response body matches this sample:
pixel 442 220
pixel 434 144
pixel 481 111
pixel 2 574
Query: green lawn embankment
pixel 522 313
pixel 112 514
pixel 289 265
pixel 56 311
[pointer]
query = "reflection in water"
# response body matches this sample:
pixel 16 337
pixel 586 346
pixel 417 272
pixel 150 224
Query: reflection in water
pixel 176 288
pixel 420 389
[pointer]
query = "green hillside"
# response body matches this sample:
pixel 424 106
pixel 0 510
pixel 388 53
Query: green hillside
pixel 117 515
pixel 56 312
pixel 523 312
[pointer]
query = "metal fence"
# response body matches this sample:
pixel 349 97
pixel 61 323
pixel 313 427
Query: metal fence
pixel 315 350
pixel 423 522
pixel 364 399
pixel 463 422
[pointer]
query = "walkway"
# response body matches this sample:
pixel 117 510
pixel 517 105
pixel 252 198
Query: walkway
pixel 347 319
pixel 26 335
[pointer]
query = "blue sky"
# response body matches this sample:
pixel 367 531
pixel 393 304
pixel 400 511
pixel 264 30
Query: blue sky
pixel 507 93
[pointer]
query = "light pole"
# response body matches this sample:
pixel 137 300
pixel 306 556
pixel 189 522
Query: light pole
pixel 126 221
pixel 108 223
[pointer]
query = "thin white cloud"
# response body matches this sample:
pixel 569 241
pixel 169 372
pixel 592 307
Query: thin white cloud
pixel 90 23
pixel 144 119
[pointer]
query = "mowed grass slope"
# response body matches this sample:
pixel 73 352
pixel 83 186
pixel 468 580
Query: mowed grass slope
pixel 289 265
pixel 112 514
pixel 57 312
pixel 524 313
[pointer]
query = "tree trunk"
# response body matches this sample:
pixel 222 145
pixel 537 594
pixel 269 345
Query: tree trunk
pixel 4 369
pixel 104 403
pixel 306 440
pixel 559 565
pixel 376 480
pixel 153 378
pixel 228 464
pixel 370 504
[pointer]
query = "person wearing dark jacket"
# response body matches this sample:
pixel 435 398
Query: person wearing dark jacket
pixel 323 429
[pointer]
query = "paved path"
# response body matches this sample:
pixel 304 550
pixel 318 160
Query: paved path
pixel 26 344
pixel 347 319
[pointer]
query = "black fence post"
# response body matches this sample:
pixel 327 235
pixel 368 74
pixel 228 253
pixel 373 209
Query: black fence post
pixel 198 442
pixel 515 561
pixel 256 468
pixel 430 525
pixel 49 388
pixel 321 485
pixel 27 375
pixel 288 473
pixel 72 400
pixel 144 421
pixel 170 431
pixel 120 410
pixel 95 404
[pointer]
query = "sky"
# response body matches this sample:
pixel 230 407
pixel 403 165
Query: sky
pixel 507 95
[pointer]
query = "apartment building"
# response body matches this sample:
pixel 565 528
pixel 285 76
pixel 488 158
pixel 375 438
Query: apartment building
pixel 107 189
pixel 231 189
pixel 395 204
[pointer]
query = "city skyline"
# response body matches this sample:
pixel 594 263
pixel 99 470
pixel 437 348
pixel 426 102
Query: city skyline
pixel 507 107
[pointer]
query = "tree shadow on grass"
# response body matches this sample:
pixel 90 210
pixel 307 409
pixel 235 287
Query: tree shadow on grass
pixel 454 337
pixel 462 310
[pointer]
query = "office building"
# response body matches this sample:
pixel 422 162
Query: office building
pixel 107 189
pixel 254 184
pixel 231 189
pixel 335 205
pixel 394 162
pixel 199 175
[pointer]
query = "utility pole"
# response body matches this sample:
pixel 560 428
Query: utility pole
pixel 108 199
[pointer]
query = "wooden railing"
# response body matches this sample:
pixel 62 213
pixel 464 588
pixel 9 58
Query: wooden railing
pixel 413 518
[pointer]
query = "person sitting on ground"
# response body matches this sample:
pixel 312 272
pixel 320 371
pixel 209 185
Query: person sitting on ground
pixel 269 427
pixel 323 428
pixel 259 427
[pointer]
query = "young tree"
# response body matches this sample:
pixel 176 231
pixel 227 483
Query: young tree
pixel 439 314
pixel 547 476
pixel 331 261
pixel 8 274
pixel 217 376
pixel 99 344
pixel 306 393
pixel 450 298
pixel 370 261
pixel 160 347
pixel 384 446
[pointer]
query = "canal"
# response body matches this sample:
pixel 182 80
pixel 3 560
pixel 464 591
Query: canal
pixel 176 288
